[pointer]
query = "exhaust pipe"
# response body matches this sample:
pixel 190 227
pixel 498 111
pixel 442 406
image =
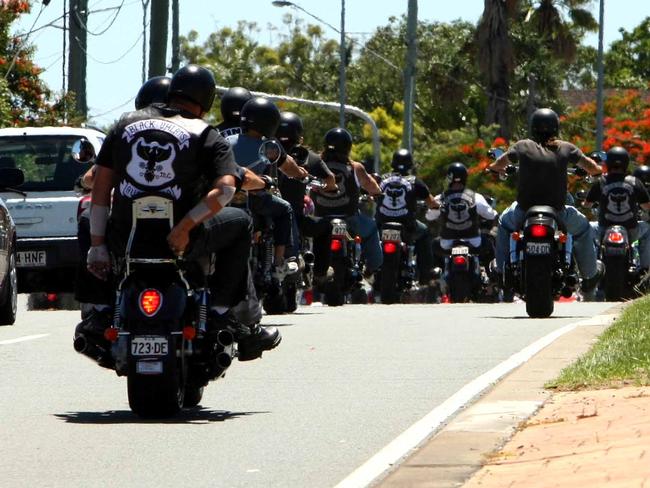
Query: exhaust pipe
pixel 225 338
pixel 224 360
pixel 80 344
pixel 86 346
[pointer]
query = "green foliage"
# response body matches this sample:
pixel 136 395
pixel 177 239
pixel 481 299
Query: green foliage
pixel 628 60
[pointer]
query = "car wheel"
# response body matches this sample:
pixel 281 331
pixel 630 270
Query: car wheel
pixel 9 306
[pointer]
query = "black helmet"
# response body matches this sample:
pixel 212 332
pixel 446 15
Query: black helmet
pixel 154 90
pixel 402 161
pixel 194 83
pixel 617 158
pixel 457 173
pixel 260 114
pixel 338 140
pixel 290 130
pixel 642 173
pixel 232 102
pixel 544 125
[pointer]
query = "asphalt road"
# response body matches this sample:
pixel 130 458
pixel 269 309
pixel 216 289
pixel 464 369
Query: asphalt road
pixel 343 384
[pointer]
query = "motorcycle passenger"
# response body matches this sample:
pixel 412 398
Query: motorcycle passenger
pixel 351 177
pixel 232 101
pixel 169 149
pixel 543 161
pixel 460 209
pixel 259 121
pixel 289 134
pixel 619 197
pixel 401 192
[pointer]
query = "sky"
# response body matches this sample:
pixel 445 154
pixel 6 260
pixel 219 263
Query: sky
pixel 115 56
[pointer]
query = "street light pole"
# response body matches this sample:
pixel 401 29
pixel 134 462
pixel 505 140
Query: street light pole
pixel 343 56
pixel 600 102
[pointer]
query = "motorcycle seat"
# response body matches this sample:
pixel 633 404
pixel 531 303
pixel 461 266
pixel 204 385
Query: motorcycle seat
pixel 544 210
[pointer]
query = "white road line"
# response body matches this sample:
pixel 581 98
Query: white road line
pixel 411 438
pixel 23 339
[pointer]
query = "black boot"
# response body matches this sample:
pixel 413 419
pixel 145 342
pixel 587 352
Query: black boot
pixel 258 340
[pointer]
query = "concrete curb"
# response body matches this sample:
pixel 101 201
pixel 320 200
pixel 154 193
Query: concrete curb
pixel 453 454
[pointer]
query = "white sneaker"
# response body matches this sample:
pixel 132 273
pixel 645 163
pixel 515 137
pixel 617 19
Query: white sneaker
pixel 288 268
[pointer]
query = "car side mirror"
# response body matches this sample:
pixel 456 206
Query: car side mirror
pixel 83 151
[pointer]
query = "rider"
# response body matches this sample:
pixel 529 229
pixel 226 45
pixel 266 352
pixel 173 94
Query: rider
pixel 543 161
pixel 401 191
pixel 289 134
pixel 195 166
pixel 460 209
pixel 232 102
pixel 259 121
pixel 643 174
pixel 619 197
pixel 351 176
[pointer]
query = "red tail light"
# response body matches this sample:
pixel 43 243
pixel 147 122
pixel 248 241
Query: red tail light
pixel 460 260
pixel 538 230
pixel 150 302
pixel 111 334
pixel 51 297
pixel 390 247
pixel 615 237
pixel 336 245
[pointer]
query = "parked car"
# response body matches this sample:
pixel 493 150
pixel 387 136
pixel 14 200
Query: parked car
pixel 10 178
pixel 46 213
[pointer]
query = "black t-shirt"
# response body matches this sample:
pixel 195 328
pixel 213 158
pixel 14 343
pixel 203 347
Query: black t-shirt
pixel 293 190
pixel 400 195
pixel 344 201
pixel 619 197
pixel 163 151
pixel 543 172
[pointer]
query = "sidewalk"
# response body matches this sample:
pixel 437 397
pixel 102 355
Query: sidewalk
pixel 578 439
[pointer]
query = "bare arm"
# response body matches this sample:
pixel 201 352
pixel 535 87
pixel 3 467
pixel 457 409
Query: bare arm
pixel 432 202
pixel 590 166
pixel 101 197
pixel 252 181
pixel 292 170
pixel 499 166
pixel 367 183
pixel 88 178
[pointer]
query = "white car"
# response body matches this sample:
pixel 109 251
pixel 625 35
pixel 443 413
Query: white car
pixel 46 217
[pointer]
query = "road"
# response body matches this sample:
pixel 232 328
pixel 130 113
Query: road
pixel 343 384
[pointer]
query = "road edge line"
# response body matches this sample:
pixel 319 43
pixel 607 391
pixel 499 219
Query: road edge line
pixel 23 339
pixel 400 447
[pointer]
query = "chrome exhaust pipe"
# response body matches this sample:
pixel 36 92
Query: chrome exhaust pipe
pixel 224 360
pixel 225 338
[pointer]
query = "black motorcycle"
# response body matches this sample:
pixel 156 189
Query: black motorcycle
pixel 159 338
pixel 398 272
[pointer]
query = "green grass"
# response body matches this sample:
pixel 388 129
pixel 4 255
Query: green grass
pixel 621 356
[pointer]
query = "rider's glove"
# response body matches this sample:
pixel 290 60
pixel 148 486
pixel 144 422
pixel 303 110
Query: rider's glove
pixel 268 181
pixel 98 261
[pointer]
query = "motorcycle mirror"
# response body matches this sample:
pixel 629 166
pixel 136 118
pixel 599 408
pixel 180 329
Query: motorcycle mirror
pixel 83 151
pixel 495 152
pixel 270 151
pixel 598 156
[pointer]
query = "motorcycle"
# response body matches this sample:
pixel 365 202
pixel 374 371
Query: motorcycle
pixel 345 252
pixel 540 266
pixel 159 338
pixel 398 272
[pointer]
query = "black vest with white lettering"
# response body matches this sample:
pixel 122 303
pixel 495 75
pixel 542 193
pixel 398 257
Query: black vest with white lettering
pixel 458 215
pixel 398 202
pixel 344 201
pixel 618 205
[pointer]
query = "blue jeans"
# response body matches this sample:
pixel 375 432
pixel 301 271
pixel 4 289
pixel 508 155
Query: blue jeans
pixel 366 227
pixel 512 219
pixel 640 233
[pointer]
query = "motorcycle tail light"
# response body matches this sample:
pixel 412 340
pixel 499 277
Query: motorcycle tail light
pixel 390 247
pixel 150 302
pixel 357 239
pixel 336 245
pixel 538 230
pixel 460 260
pixel 563 238
pixel 515 236
pixel 111 334
pixel 189 332
pixel 615 237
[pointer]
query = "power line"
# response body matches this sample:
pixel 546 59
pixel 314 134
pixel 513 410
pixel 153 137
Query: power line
pixel 122 56
pixel 19 48
pixel 85 26
pixel 114 108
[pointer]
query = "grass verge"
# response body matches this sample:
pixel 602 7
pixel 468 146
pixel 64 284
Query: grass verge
pixel 621 356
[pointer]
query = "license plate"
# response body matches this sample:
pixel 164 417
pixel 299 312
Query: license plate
pixel 538 248
pixel 391 235
pixel 456 251
pixel 149 346
pixel 26 259
pixel 149 367
pixel 339 230
pixel 615 251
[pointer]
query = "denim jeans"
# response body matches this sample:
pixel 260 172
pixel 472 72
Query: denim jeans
pixel 512 219
pixel 640 233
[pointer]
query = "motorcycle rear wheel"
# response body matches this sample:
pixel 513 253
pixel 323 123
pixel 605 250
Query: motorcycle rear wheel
pixel 156 395
pixel 460 287
pixel 539 287
pixel 389 279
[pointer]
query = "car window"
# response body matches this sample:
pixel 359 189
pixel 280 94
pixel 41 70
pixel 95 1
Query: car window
pixel 45 161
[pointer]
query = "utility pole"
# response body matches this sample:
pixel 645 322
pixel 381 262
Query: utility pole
pixel 342 63
pixel 158 38
pixel 176 47
pixel 600 97
pixel 409 73
pixel 78 11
